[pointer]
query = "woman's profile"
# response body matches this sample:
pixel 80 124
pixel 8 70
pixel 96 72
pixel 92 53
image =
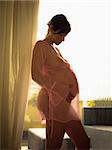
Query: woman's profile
pixel 58 98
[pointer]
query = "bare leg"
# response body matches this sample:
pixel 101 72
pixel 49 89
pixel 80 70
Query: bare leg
pixel 76 132
pixel 55 139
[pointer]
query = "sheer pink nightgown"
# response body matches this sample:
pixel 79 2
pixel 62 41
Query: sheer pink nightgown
pixel 57 81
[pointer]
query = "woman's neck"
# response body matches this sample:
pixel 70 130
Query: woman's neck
pixel 48 40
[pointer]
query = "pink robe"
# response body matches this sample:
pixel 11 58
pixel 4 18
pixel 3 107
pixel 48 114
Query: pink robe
pixel 52 72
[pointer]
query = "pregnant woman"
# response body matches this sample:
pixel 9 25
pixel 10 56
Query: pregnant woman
pixel 58 99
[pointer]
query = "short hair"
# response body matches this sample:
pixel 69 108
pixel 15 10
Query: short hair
pixel 60 24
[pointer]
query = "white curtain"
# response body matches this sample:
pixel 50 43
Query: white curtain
pixel 18 28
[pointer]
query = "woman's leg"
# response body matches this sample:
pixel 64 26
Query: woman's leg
pixel 76 132
pixel 54 134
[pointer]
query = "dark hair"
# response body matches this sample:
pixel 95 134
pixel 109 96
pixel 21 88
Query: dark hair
pixel 60 24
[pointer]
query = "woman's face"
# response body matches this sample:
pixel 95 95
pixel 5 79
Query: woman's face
pixel 55 37
pixel 58 38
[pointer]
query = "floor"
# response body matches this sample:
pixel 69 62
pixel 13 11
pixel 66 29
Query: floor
pixel 100 135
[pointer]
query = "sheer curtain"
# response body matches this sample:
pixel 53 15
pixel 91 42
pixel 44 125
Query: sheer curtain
pixel 18 28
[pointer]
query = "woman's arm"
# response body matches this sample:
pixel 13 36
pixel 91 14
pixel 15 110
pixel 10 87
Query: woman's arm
pixel 38 65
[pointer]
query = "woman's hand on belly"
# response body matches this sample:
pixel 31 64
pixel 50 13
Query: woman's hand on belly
pixel 69 98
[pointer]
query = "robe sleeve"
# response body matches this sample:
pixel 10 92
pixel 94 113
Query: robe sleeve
pixel 38 65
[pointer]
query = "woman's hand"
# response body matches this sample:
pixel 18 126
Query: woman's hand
pixel 72 92
pixel 69 98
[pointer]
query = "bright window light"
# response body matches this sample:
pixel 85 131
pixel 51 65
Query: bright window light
pixel 87 46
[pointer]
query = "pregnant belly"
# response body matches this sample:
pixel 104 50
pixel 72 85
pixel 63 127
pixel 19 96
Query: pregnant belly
pixel 64 76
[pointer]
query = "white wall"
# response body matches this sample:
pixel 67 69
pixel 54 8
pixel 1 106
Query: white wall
pixel 88 45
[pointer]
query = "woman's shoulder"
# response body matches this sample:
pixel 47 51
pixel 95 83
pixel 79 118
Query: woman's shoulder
pixel 41 46
pixel 40 42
